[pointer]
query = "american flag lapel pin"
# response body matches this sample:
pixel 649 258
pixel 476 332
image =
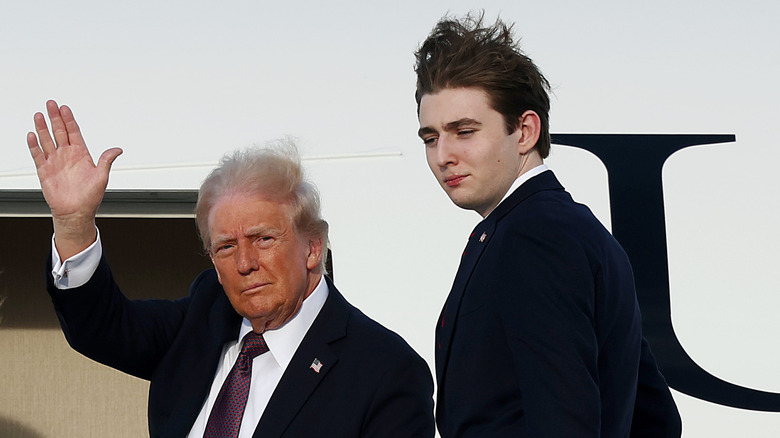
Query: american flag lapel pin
pixel 482 237
pixel 316 365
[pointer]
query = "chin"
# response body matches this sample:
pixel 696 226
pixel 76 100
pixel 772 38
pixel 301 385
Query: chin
pixel 254 312
pixel 463 203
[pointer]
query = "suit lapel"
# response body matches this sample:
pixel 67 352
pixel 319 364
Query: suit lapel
pixel 223 326
pixel 477 243
pixel 446 324
pixel 300 379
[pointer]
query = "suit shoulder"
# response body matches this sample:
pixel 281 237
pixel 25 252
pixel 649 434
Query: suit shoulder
pixel 207 278
pixel 205 292
pixel 555 205
pixel 206 283
pixel 374 335
pixel 553 216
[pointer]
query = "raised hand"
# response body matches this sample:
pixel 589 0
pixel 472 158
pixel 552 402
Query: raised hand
pixel 71 182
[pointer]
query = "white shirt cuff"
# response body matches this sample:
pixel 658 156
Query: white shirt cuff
pixel 77 270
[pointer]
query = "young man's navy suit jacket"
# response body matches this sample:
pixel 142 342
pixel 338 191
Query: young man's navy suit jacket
pixel 541 333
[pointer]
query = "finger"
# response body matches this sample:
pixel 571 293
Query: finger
pixel 37 154
pixel 72 128
pixel 107 158
pixel 57 125
pixel 47 144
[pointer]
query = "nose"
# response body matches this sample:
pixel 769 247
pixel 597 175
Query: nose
pixel 444 152
pixel 246 261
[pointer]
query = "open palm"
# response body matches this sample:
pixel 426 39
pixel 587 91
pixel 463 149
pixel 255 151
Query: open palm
pixel 72 183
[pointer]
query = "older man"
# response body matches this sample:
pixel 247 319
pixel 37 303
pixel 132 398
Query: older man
pixel 264 345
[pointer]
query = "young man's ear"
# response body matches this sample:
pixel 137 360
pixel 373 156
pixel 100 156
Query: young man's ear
pixel 530 128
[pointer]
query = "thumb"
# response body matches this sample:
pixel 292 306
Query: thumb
pixel 107 158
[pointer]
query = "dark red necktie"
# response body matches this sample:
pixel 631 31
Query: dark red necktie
pixel 225 418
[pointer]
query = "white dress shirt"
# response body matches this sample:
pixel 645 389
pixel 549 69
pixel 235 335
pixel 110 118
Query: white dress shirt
pixel 77 270
pixel 267 368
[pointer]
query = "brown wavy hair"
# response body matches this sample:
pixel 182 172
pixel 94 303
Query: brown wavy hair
pixel 465 53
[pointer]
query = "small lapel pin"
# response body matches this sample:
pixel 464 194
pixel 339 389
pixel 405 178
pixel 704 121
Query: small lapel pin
pixel 316 365
pixel 482 237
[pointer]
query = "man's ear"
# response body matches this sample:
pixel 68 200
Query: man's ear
pixel 529 128
pixel 314 257
pixel 211 257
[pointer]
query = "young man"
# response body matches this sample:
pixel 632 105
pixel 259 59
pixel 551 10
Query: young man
pixel 541 333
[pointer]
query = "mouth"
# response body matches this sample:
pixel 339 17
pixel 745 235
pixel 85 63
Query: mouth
pixel 253 288
pixel 454 180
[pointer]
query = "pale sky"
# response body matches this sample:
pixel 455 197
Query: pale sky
pixel 181 83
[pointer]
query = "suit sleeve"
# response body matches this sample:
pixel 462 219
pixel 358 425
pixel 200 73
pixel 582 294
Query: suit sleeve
pixel 402 405
pixel 546 306
pixel 101 323
pixel 655 412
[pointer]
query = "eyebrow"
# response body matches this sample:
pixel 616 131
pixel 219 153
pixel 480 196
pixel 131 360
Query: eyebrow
pixel 451 126
pixel 217 241
pixel 422 132
pixel 255 231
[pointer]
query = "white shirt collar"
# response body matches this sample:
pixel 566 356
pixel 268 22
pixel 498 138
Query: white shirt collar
pixel 283 341
pixel 522 179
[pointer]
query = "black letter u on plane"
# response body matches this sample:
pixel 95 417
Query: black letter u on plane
pixel 634 163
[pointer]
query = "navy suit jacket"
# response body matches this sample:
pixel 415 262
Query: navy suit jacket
pixel 371 384
pixel 541 333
